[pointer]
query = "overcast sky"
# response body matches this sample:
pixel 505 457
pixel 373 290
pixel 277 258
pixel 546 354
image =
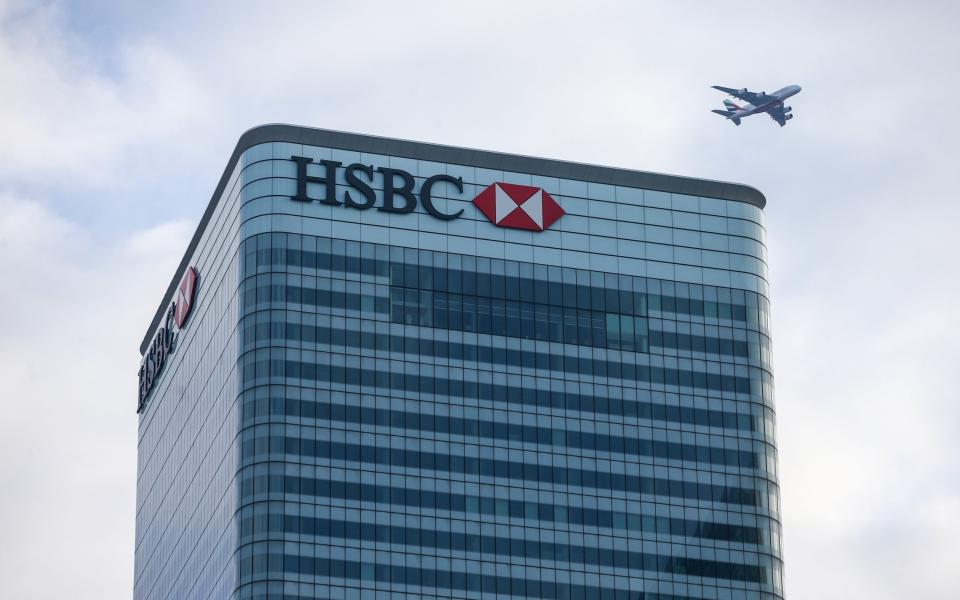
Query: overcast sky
pixel 116 122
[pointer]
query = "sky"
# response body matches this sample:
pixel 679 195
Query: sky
pixel 116 121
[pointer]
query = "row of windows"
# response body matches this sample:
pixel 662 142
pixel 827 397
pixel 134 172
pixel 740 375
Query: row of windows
pixel 259 403
pixel 510 280
pixel 500 317
pixel 260 448
pixel 532 321
pixel 509 549
pixel 274 590
pixel 459 313
pixel 271 326
pixel 255 562
pixel 262 517
pixel 515 432
pixel 542 322
pixel 271 363
pixel 522 320
pixel 538 392
pixel 319 291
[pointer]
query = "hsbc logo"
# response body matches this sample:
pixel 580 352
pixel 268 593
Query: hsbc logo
pixel 164 343
pixel 185 294
pixel 518 206
pixel 504 204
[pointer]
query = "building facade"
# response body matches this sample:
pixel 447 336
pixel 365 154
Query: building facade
pixel 387 369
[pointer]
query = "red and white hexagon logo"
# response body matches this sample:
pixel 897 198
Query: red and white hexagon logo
pixel 518 206
pixel 185 295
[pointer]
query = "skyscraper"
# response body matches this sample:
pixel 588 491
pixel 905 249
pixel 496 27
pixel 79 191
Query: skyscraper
pixel 401 370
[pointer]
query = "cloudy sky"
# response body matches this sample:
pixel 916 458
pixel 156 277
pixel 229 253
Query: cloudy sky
pixel 116 121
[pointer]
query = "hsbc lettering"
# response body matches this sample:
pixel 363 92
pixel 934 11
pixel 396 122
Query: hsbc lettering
pixel 154 359
pixel 398 195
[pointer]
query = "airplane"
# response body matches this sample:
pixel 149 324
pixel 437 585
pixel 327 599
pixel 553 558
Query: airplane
pixel 772 104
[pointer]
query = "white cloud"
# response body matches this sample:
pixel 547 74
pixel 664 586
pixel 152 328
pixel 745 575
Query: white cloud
pixel 73 120
pixel 159 239
pixel 71 311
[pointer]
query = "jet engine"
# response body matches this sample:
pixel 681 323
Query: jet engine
pixel 743 91
pixel 787 109
pixel 787 117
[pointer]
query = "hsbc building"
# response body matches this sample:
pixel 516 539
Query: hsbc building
pixel 393 369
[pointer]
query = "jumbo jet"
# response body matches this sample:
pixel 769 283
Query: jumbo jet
pixel 772 104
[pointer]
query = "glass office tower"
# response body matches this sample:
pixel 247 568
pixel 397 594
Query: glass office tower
pixel 418 371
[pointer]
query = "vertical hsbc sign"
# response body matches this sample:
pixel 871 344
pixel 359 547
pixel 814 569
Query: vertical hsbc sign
pixel 164 342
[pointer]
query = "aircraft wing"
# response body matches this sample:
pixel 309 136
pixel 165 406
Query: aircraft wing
pixel 743 94
pixel 776 113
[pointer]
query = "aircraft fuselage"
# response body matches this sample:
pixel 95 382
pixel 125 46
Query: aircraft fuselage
pixel 775 99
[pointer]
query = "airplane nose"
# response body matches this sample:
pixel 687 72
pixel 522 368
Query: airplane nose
pixel 798 88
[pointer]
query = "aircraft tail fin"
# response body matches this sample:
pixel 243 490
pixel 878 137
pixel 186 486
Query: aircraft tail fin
pixel 730 105
pixel 728 114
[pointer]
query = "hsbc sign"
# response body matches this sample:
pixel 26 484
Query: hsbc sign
pixel 504 204
pixel 164 342
pixel 185 294
pixel 518 206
